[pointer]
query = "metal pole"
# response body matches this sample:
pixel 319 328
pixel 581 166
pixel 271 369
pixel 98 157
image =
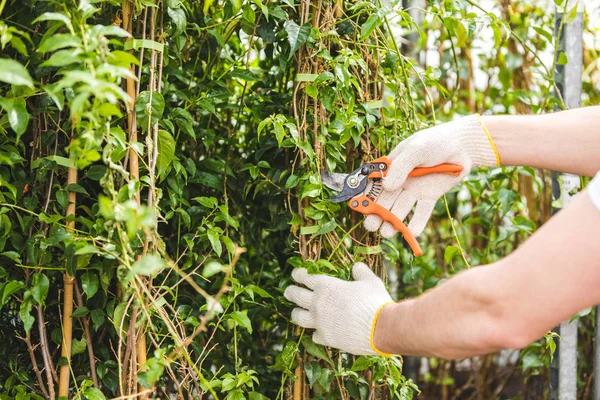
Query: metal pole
pixel 568 81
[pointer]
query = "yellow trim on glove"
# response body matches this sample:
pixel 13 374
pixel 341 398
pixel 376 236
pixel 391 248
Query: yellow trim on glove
pixel 485 129
pixel 375 318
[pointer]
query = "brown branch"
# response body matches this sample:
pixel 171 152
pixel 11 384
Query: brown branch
pixel 38 374
pixel 88 337
pixel 48 364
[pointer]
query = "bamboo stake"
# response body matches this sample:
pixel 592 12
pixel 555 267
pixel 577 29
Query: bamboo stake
pixel 134 170
pixel 65 370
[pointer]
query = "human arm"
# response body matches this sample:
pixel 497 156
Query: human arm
pixel 566 141
pixel 508 304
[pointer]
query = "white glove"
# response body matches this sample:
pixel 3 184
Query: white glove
pixel 465 142
pixel 343 313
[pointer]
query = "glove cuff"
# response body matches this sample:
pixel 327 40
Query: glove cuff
pixel 477 141
pixel 373 326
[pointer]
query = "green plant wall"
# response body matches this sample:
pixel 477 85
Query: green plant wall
pixel 160 175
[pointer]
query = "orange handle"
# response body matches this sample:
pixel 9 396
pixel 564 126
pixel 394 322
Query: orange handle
pixel 450 169
pixel 366 206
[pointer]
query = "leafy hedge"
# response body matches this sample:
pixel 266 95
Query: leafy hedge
pixel 159 178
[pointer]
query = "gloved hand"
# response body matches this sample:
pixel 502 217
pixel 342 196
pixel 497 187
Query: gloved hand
pixel 465 142
pixel 343 313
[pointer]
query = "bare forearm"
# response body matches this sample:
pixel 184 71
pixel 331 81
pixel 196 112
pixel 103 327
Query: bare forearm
pixel 567 141
pixel 508 304
pixel 457 319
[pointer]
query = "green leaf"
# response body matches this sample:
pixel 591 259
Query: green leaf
pixel 89 283
pixel 18 118
pixel 111 30
pixel 263 124
pixel 122 58
pixel 77 188
pixel 93 394
pixel 363 362
pixel 149 107
pixel 19 45
pixel 292 181
pixel 236 394
pixel 97 318
pixel 211 268
pixel 497 35
pixel 39 288
pixel 572 14
pixel 62 58
pixel 9 289
pixel 532 360
pixel 25 313
pixel 96 172
pixel 297 35
pixel 51 16
pixel 13 255
pixel 57 96
pixel 59 41
pixel 179 19
pixel 149 265
pixel 166 151
pixel 450 253
pixel 241 319
pixel 313 372
pixel 547 35
pixel 312 91
pixel 213 237
pixel 372 23
pixel 89 249
pixel 248 14
pixel 314 349
pixel 78 346
pixel 62 161
pixel 327 227
pixel 562 59
pixel 136 44
pixel 461 34
pixel 80 312
pixel 306 77
pixel 208 202
pixel 257 396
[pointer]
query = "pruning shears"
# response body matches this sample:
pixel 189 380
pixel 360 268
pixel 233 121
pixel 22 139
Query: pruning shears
pixel 353 187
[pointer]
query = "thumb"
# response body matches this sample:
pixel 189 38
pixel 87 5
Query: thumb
pixel 402 165
pixel 362 272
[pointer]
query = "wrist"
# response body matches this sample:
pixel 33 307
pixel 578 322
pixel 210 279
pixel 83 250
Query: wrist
pixel 386 335
pixel 507 132
pixel 476 139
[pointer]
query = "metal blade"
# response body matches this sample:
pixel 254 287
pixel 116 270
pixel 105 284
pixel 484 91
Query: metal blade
pixel 333 180
pixel 345 195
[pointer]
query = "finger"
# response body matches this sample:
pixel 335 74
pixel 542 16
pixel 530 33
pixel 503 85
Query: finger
pixel 303 318
pixel 385 200
pixel 318 338
pixel 421 216
pixel 362 272
pixel 302 276
pixel 404 203
pixel 402 166
pixel 302 297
